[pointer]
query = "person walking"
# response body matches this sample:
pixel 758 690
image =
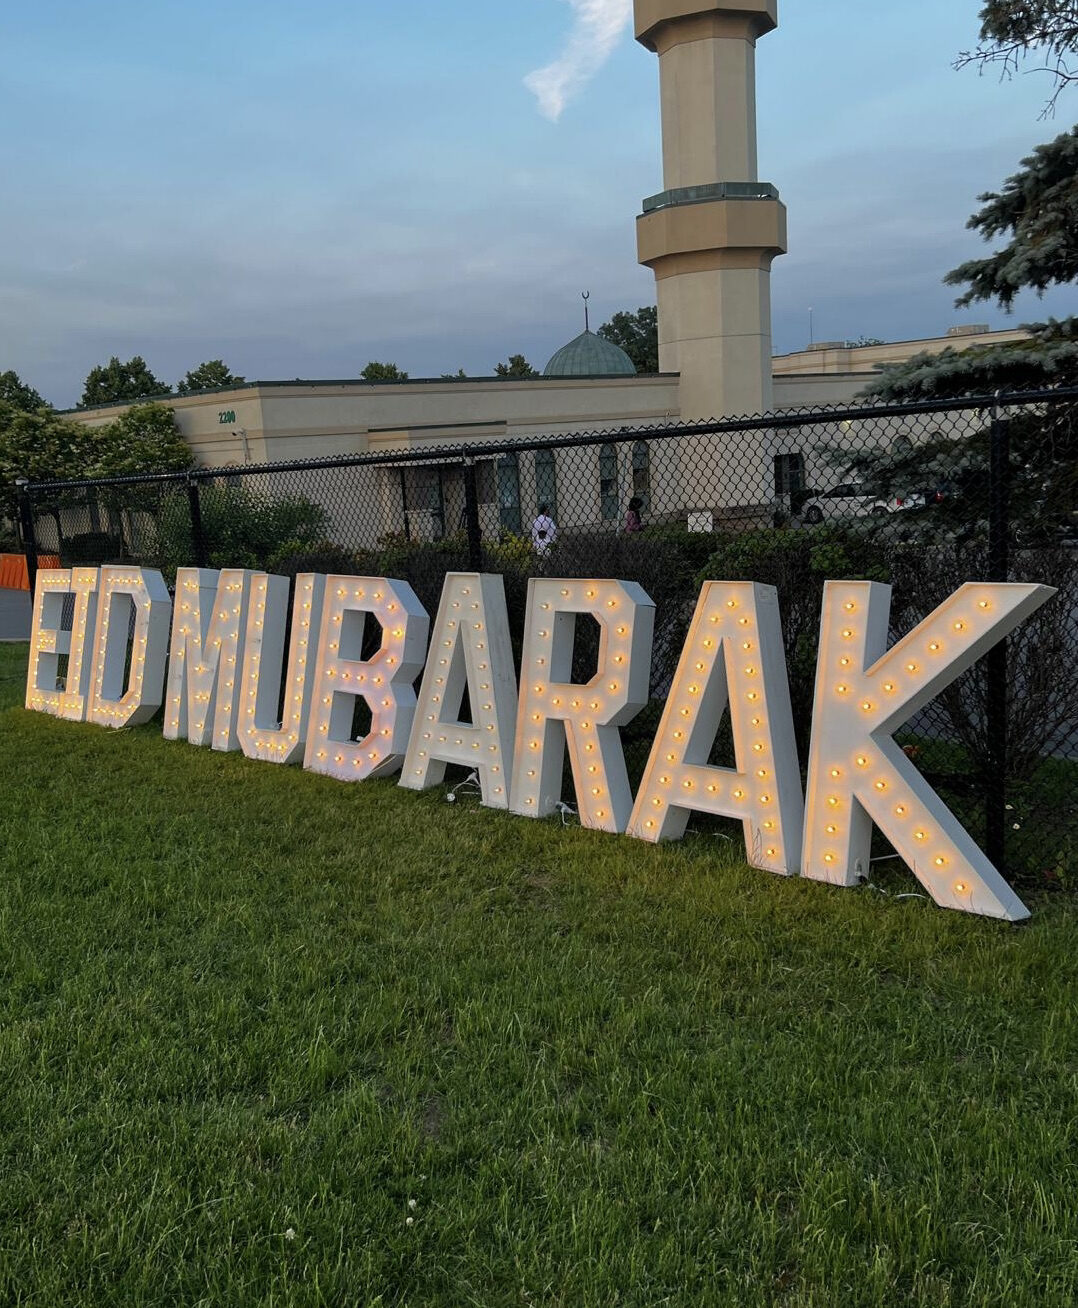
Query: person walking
pixel 544 530
pixel 633 520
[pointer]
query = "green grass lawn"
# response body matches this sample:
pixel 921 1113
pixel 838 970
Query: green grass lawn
pixel 271 1039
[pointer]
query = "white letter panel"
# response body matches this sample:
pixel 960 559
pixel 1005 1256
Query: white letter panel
pixel 470 650
pixel 857 774
pixel 386 681
pixel 733 656
pixel 554 710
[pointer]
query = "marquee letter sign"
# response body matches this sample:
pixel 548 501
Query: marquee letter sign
pixel 385 682
pixel 116 700
pixel 225 690
pixel 733 655
pixel 49 640
pixel 204 656
pixel 554 710
pixel 470 650
pixel 262 734
pixel 857 774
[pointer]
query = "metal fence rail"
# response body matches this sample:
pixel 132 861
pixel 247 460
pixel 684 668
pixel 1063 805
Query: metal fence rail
pixel 924 495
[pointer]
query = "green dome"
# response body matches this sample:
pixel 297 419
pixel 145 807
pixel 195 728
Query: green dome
pixel 590 356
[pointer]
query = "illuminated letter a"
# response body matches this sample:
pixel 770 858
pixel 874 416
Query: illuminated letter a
pixel 733 657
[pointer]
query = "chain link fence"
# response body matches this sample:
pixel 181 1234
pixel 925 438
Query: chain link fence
pixel 923 496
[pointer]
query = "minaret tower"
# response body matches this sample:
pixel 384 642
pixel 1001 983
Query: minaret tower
pixel 711 235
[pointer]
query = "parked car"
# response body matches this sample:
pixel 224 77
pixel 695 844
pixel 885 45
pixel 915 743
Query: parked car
pixel 849 499
pixel 853 499
pixel 911 500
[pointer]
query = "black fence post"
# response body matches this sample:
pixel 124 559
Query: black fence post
pixel 999 476
pixel 26 526
pixel 198 538
pixel 471 517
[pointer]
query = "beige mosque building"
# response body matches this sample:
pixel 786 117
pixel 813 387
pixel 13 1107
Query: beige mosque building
pixel 710 237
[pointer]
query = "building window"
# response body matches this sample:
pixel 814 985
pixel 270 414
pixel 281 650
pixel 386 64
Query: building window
pixel 642 474
pixel 509 493
pixel 789 473
pixel 546 482
pixel 486 481
pixel 790 480
pixel 423 496
pixel 608 482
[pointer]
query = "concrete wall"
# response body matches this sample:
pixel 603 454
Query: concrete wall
pixel 269 422
pixel 838 357
pixel 274 422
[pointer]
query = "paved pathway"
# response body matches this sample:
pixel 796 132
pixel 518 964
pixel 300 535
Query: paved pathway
pixel 14 614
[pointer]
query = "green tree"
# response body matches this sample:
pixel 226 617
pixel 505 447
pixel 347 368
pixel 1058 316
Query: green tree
pixel 1038 206
pixel 382 372
pixel 1048 358
pixel 244 528
pixel 118 383
pixel 41 446
pixel 1036 212
pixel 144 438
pixel 1012 30
pixel 454 376
pixel 1038 209
pixel 14 391
pixel 1043 488
pixel 212 375
pixel 637 334
pixel 517 366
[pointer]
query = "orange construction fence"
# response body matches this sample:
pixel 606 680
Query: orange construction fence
pixel 13 569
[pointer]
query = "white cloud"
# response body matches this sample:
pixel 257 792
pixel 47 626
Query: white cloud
pixel 597 26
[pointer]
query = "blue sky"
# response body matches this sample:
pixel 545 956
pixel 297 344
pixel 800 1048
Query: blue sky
pixel 298 189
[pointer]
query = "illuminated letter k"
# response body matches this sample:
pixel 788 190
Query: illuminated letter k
pixel 857 775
